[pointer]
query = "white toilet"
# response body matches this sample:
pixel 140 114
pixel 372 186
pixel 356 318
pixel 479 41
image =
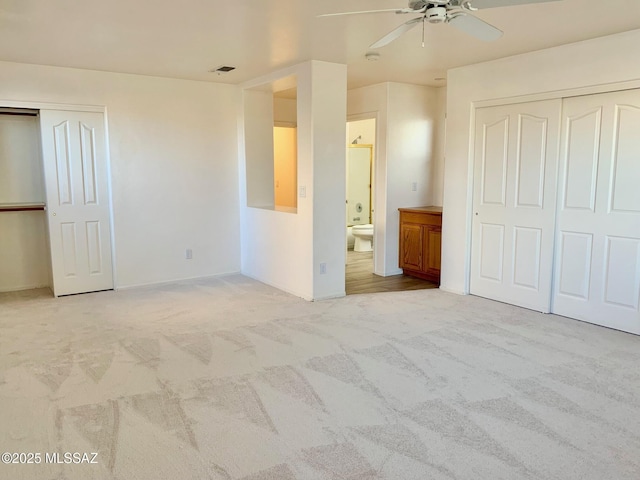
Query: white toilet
pixel 364 238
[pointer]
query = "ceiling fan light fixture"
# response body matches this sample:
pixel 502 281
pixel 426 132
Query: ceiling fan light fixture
pixel 454 12
pixel 436 15
pixel 372 56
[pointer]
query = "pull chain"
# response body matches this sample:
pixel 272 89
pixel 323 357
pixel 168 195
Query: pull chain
pixel 423 33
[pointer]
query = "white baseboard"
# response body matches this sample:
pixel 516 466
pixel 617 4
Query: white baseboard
pixel 279 287
pixel 177 280
pixel 22 288
pixel 389 274
pixel 453 290
pixel 330 296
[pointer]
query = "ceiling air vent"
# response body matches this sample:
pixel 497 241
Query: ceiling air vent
pixel 223 69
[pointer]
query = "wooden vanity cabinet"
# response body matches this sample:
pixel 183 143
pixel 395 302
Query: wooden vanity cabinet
pixel 420 241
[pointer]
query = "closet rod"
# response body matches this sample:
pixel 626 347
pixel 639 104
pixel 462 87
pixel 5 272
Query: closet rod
pixel 22 208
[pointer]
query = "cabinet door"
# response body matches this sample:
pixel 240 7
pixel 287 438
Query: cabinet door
pixel 411 246
pixel 432 241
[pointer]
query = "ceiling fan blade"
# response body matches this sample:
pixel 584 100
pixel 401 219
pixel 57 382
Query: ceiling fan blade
pixel 396 10
pixel 393 34
pixel 475 27
pixel 480 4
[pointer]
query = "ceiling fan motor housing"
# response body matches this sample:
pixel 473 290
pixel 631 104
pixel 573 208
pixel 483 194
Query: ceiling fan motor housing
pixel 436 14
pixel 417 4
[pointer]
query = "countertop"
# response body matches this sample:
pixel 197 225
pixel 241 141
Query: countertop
pixel 437 210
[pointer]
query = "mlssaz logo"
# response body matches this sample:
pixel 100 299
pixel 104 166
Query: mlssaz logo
pixel 71 458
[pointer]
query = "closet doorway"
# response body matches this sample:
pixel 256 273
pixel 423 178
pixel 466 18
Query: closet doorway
pixel 55 193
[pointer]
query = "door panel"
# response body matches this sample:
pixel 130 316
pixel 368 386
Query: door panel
pixel 74 155
pixel 491 251
pixel 582 133
pixel 63 163
pixel 433 248
pixel 526 257
pixel 514 202
pixel 494 161
pixel 575 264
pixel 625 193
pixel 88 155
pixel 598 254
pixel 411 246
pixel 68 240
pixel 622 267
pixel 94 247
pixel 531 161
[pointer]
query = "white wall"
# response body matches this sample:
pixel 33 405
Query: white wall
pixel 550 72
pixel 410 130
pixel 440 135
pixel 258 134
pixel 173 146
pixel 328 113
pixel 363 130
pixel 24 254
pixel 285 111
pixel 406 128
pixel 285 249
pixel 24 258
pixel 21 177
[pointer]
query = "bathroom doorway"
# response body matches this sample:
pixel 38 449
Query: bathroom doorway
pixel 360 212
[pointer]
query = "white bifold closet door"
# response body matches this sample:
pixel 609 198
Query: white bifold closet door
pixel 597 270
pixel 78 213
pixel 514 202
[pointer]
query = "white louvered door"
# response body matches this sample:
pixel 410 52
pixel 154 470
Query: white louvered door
pixel 75 167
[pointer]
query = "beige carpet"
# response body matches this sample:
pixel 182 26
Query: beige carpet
pixel 231 379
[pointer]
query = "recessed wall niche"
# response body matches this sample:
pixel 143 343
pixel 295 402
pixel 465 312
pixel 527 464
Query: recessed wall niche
pixel 271 138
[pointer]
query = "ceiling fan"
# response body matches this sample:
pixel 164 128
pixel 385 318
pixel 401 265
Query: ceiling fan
pixel 453 12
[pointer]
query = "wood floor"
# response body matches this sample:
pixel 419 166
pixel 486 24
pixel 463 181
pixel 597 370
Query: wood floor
pixel 361 279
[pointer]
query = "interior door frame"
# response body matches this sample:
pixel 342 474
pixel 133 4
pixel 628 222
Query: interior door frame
pixel 80 108
pixel 492 102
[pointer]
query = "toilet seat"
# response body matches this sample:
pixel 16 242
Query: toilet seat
pixel 362 228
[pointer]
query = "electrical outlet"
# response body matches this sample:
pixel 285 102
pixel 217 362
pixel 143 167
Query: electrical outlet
pixel 414 186
pixel 188 254
pixel 323 268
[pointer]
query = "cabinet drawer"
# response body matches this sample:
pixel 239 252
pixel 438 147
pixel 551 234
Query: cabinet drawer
pixel 420 218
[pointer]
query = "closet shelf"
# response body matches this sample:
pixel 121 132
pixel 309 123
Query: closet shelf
pixel 21 207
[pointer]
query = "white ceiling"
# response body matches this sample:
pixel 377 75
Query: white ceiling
pixel 186 38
